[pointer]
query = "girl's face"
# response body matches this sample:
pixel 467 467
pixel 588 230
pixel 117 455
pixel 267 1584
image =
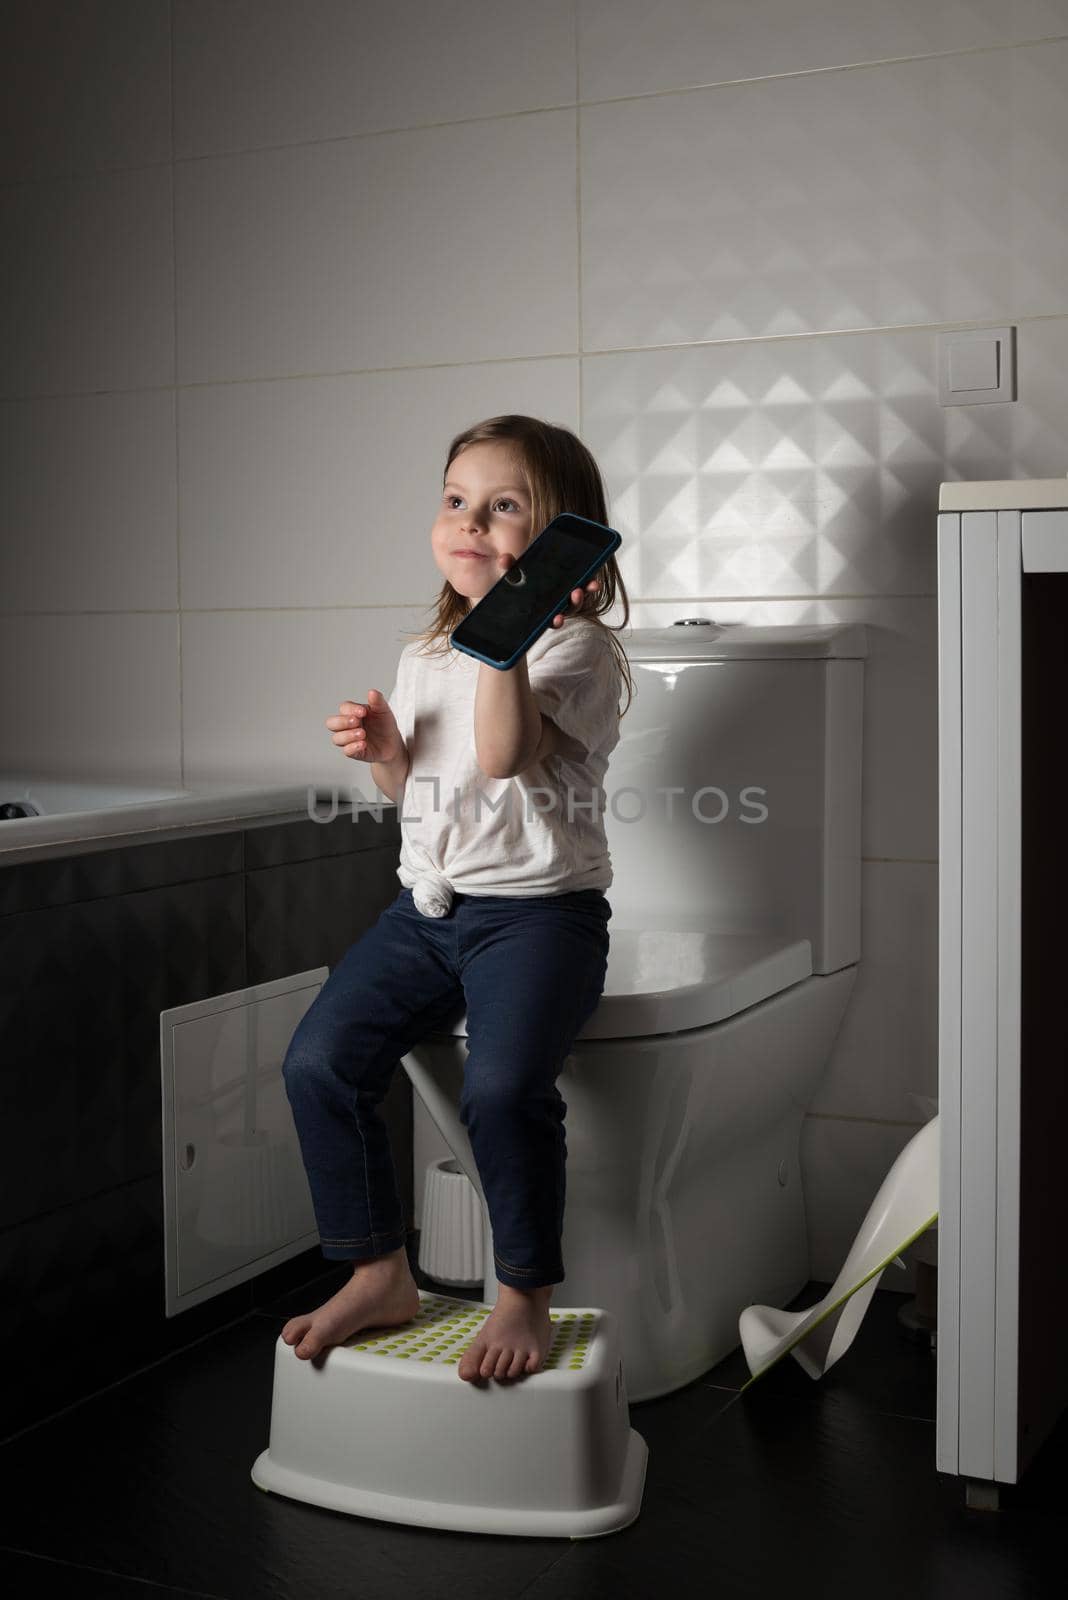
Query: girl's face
pixel 484 509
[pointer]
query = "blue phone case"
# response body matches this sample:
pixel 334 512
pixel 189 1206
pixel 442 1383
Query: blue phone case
pixel 562 604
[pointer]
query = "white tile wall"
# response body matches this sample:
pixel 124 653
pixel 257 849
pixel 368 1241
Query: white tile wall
pixel 321 491
pixel 249 74
pixel 87 283
pixel 397 249
pixel 260 261
pixel 844 1160
pixel 91 694
pixel 89 504
pixel 85 88
pixel 880 197
pixel 628 47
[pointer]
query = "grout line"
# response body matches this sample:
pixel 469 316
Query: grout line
pixel 545 1571
pixel 579 355
pixel 539 111
pixel 578 214
pixel 813 72
pixel 177 439
pixel 108 1572
pixel 388 605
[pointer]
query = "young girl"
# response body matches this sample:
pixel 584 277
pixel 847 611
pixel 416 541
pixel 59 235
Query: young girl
pixel 504 863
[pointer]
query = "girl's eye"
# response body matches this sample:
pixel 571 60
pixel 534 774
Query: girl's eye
pixel 449 498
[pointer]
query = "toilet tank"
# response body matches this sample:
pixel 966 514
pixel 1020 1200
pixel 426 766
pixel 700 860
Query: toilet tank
pixel 733 795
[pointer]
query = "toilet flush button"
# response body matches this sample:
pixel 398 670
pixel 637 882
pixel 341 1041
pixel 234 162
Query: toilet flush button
pixel 783 1169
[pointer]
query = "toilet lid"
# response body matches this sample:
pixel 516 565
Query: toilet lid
pixel 668 978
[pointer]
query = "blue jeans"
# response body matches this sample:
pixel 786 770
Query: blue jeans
pixel 531 972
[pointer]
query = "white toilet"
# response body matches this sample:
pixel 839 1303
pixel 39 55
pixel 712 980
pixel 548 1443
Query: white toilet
pixel 735 936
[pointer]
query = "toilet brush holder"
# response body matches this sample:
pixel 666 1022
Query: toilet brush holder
pixel 385 1427
pixel 452 1232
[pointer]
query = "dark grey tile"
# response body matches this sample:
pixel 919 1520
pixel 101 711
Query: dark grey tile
pixel 32 1576
pixel 84 1302
pixel 820 1495
pixel 320 833
pixel 100 872
pixel 308 913
pixel 119 936
pixel 80 1108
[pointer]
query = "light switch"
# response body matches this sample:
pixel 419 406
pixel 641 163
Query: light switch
pixel 973 364
pixel 976 365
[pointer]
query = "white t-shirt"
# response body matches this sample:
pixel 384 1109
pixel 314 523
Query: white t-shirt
pixel 537 833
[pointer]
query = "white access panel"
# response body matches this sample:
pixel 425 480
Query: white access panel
pixel 235 1193
pixel 995 1409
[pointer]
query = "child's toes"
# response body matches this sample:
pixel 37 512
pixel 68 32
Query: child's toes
pixel 496 1363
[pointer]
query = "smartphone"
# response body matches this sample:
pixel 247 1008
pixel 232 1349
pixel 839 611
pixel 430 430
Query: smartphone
pixel 504 624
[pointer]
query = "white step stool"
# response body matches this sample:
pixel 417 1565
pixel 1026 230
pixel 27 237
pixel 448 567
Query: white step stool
pixel 385 1427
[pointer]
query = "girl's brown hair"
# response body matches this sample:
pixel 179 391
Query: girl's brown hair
pixel 561 475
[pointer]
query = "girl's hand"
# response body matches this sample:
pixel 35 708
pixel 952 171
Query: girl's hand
pixel 504 561
pixel 367 732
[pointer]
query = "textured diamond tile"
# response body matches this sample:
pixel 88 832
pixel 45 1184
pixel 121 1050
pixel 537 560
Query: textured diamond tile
pixel 886 196
pixel 1039 439
pixel 806 466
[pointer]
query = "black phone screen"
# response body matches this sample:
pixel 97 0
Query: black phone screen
pixel 527 597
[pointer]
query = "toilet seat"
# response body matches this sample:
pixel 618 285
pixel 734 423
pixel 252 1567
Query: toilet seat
pixel 680 975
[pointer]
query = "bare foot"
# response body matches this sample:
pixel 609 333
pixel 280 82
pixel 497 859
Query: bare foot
pixel 380 1294
pixel 514 1339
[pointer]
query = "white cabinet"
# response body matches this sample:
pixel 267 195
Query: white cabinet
pixel 1003 896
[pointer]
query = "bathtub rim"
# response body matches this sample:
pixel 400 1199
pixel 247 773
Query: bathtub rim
pixel 190 814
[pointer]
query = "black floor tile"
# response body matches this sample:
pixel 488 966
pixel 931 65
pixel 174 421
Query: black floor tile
pixel 156 1485
pixel 28 1577
pixel 818 1497
pixel 824 1487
